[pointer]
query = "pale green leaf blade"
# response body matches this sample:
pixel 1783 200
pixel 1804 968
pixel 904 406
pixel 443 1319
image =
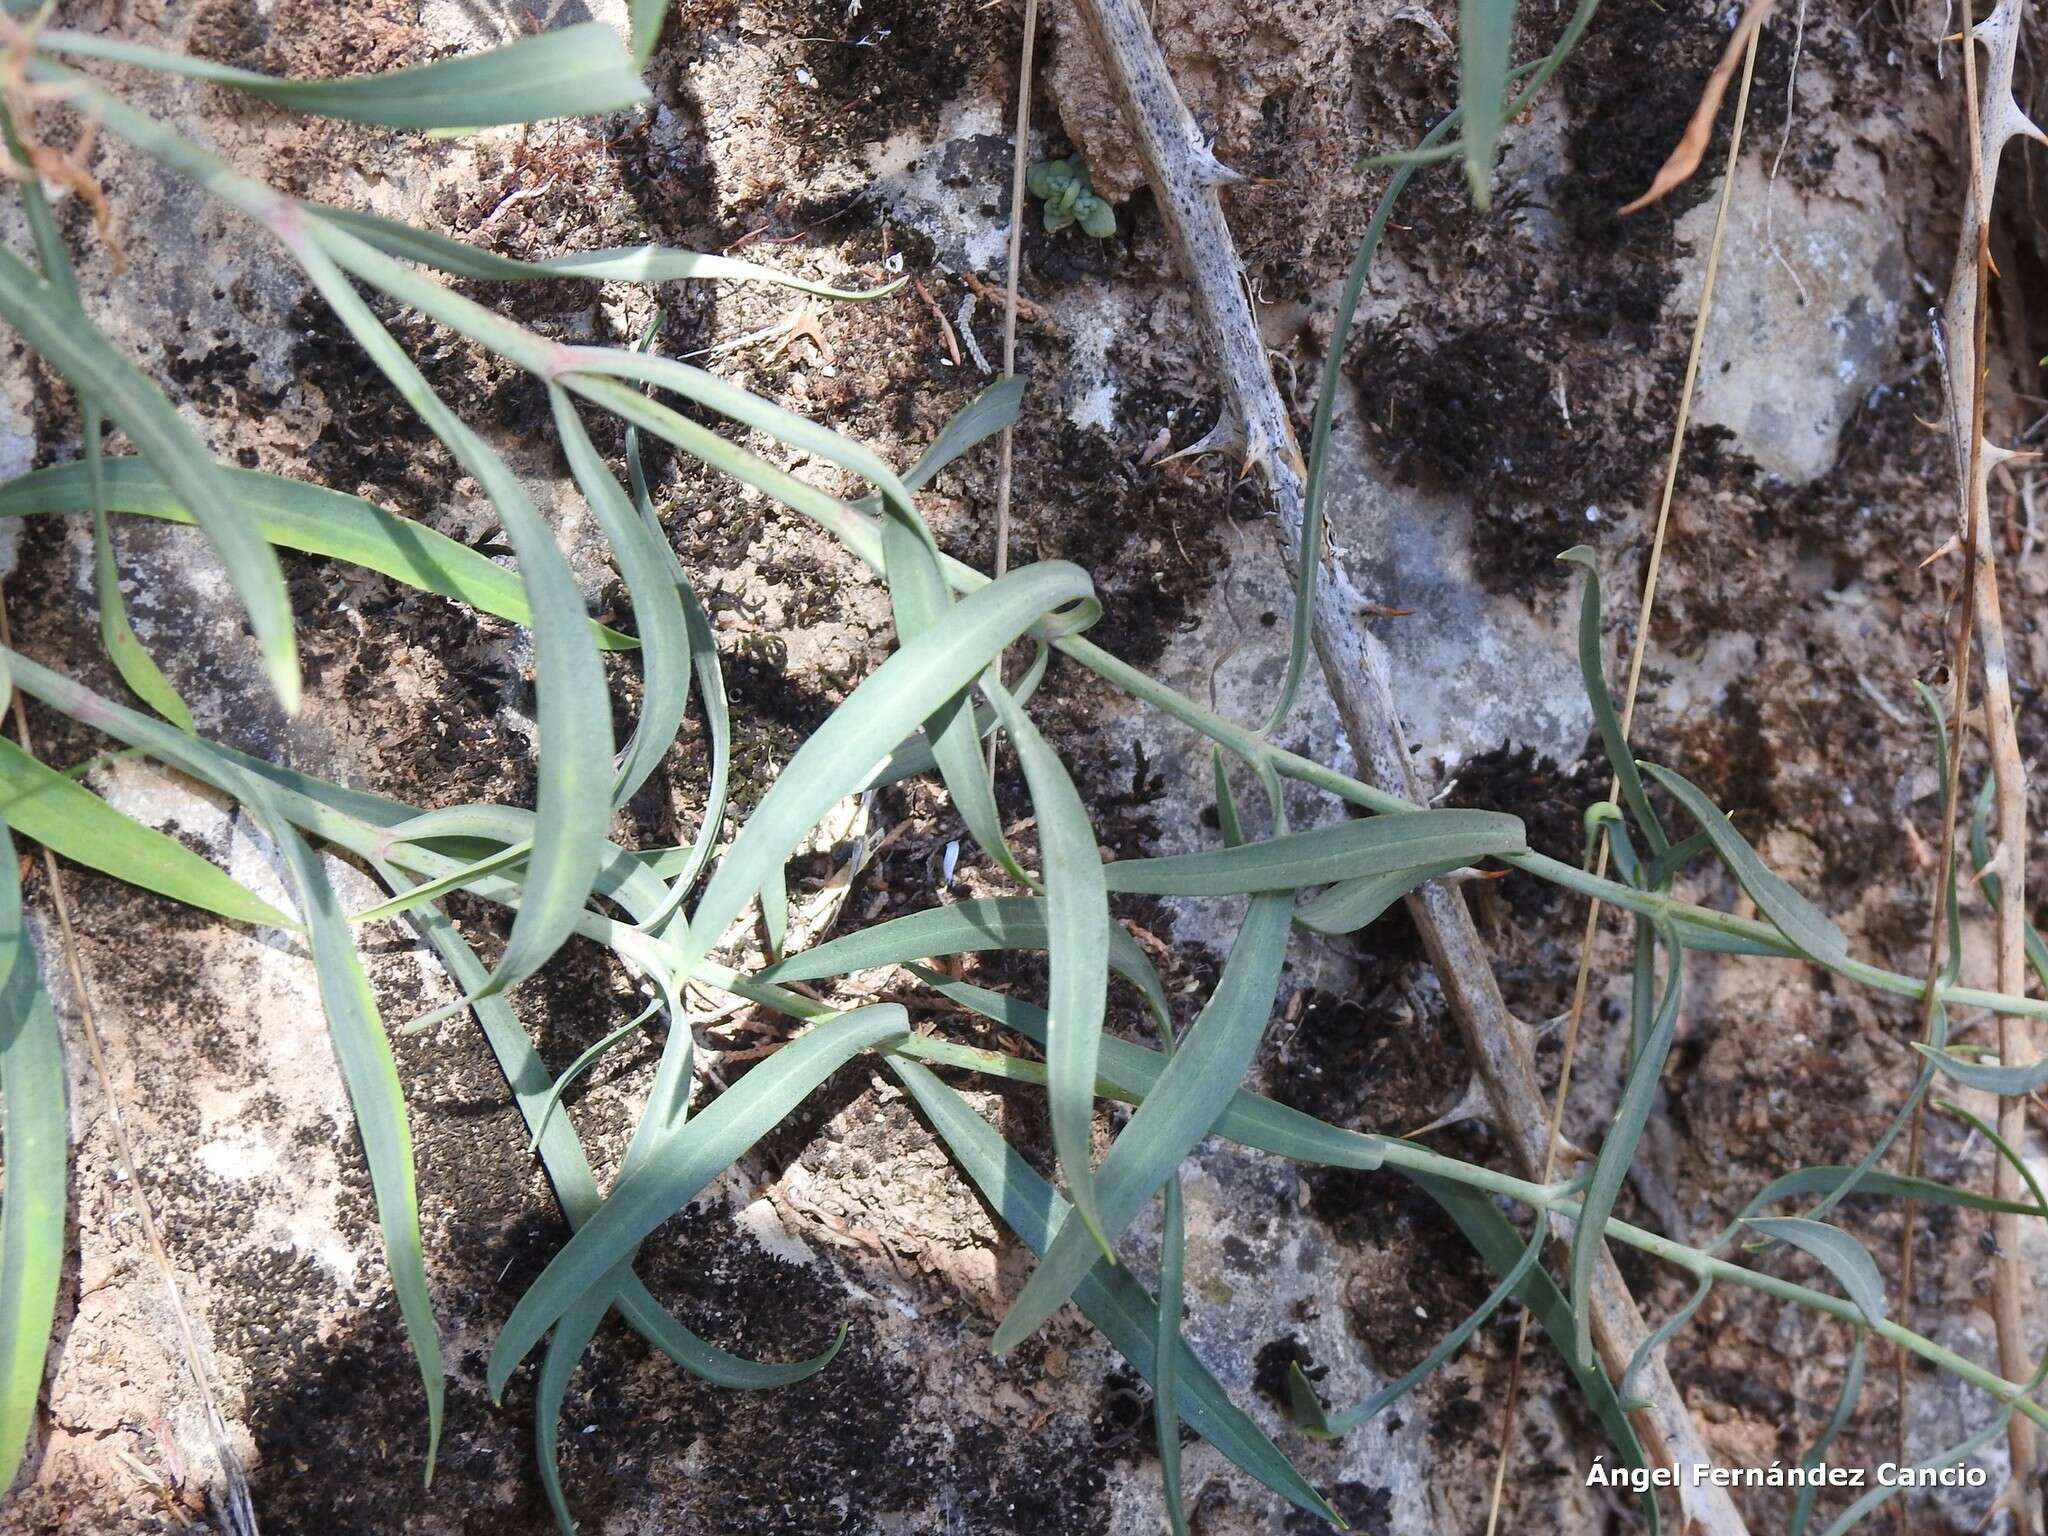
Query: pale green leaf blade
pixel 1166 1354
pixel 921 603
pixel 1804 924
pixel 1195 1085
pixel 1132 1071
pixel 375 1095
pixel 569 1170
pixel 975 423
pixel 137 668
pixel 648 567
pixel 681 866
pixel 1351 904
pixel 1077 926
pixel 1112 1300
pixel 1845 1409
pixel 1487 1230
pixel 572 72
pixel 90 364
pixel 678 1169
pixel 69 819
pixel 1486 34
pixel 647 19
pixel 308 518
pixel 573 704
pixel 1831 1178
pixel 1350 850
pixel 1593 672
pixel 1318 1421
pixel 1654 1035
pixel 881 712
pixel 626 264
pixel 2007 1082
pixel 34 1142
pixel 1845 1258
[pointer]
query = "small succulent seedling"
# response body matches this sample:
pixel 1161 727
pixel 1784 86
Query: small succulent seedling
pixel 1070 198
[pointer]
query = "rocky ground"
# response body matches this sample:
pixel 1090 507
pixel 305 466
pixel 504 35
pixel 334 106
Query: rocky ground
pixel 1509 391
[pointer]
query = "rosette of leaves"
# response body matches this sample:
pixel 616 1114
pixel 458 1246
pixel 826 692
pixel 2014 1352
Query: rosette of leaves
pixel 1070 198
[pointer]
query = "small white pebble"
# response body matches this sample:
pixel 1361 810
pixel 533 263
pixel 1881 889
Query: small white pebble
pixel 1592 514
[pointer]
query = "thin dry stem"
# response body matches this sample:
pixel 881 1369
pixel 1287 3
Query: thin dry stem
pixel 1992 119
pixel 1648 606
pixel 237 1512
pixel 1016 261
pixel 1184 177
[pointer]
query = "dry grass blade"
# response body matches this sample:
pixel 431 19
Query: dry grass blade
pixel 1699 128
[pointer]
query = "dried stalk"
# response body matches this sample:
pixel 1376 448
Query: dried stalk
pixel 234 1507
pixel 1682 164
pixel 1184 176
pixel 1995 119
pixel 1020 158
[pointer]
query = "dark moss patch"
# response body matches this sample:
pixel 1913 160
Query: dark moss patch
pixel 1549 798
pixel 1481 412
pixel 1633 84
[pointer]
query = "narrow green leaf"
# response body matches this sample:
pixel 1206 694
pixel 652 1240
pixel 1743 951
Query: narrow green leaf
pixel 1875 1185
pixel 2005 1148
pixel 1196 1083
pixel 647 19
pixel 980 419
pixel 1804 924
pixel 572 72
pixel 1593 672
pixel 1486 35
pixel 374 1092
pixel 1166 1355
pixel 882 711
pixel 117 634
pixel 1962 1450
pixel 573 703
pixel 569 1171
pixel 1112 1300
pixel 679 1169
pixel 1845 1258
pixel 33 1141
pixel 1618 1149
pixel 1845 1409
pixel 682 871
pixel 1132 1071
pixel 974 926
pixel 1350 850
pixel 89 363
pixel 1077 927
pixel 922 603
pixel 1487 1230
pixel 304 517
pixel 66 817
pixel 1323 1425
pixel 624 264
pixel 775 910
pixel 137 668
pixel 1989 1077
pixel 1658 1338
pixel 572 1336
pixel 648 566
pixel 354 1028
pixel 1351 904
